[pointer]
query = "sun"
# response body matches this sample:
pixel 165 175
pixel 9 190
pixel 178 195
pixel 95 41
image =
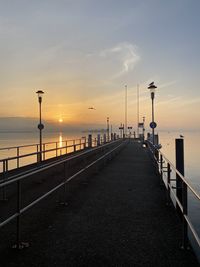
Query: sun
pixel 60 120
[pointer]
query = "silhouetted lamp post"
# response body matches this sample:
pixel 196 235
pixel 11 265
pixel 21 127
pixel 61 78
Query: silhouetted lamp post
pixel 40 125
pixel 153 125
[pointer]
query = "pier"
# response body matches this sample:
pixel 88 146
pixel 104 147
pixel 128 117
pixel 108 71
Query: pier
pixel 101 206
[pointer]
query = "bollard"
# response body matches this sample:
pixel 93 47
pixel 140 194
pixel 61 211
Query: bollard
pixel 115 136
pixel 104 138
pixel 179 166
pixel 89 141
pixel 181 189
pixel 98 140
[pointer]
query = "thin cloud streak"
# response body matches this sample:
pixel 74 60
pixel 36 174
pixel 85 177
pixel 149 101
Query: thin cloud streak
pixel 127 56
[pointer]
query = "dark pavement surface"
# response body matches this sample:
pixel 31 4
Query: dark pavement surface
pixel 117 217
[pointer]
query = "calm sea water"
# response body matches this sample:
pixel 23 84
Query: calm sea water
pixel 167 139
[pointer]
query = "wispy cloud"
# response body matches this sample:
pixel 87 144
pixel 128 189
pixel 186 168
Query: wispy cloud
pixel 167 84
pixel 126 54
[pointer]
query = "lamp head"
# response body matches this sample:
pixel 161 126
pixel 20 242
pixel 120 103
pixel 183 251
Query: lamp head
pixel 152 88
pixel 40 93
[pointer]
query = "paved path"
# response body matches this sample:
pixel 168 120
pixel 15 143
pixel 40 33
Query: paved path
pixel 118 218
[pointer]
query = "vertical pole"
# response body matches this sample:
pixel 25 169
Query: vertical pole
pixel 44 151
pixel 138 110
pixel 56 149
pixel 40 111
pixel 181 188
pixel 4 177
pixel 89 140
pixel 179 166
pixel 168 182
pixel 125 123
pixel 38 153
pixel 17 157
pixel 98 140
pixel 74 144
pixel 104 138
pixel 143 129
pixel 153 138
pixel 161 166
pixel 18 211
pixel 108 129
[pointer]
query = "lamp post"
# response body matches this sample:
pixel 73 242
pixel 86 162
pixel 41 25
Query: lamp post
pixel 153 125
pixel 125 111
pixel 40 125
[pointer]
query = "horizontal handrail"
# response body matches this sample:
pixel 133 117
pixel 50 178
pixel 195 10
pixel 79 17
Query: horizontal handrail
pixel 182 207
pixel 46 143
pixel 33 203
pixel 42 168
pixel 183 178
pixel 43 151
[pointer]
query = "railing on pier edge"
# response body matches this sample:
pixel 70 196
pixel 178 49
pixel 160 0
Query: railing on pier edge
pixel 167 170
pixel 57 149
pixel 106 152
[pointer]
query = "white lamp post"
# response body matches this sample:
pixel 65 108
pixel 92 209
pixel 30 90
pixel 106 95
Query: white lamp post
pixel 152 88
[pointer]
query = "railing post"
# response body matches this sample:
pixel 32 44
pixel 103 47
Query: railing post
pixel 161 166
pixel 17 157
pixel 66 146
pixel 43 152
pixel 89 141
pixel 104 138
pixel 74 144
pixel 18 211
pixel 185 212
pixel 37 153
pixel 168 182
pixel 56 149
pixel 98 140
pixel 4 178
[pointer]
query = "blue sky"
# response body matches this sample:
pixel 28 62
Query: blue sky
pixel 82 53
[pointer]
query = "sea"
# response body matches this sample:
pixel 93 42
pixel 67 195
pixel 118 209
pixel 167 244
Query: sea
pixel 166 139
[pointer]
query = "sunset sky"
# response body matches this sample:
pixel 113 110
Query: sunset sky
pixel 82 53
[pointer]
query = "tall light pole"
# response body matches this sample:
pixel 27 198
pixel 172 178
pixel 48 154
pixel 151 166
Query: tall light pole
pixel 153 125
pixel 40 125
pixel 125 124
pixel 108 129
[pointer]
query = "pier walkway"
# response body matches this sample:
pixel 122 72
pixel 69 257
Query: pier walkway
pixel 118 217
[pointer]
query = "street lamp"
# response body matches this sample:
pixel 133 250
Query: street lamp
pixel 125 110
pixel 40 125
pixel 153 125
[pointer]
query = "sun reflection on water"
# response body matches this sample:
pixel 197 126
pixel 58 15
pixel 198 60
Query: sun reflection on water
pixel 60 140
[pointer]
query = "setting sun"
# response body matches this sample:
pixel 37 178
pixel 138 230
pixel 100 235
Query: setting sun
pixel 60 120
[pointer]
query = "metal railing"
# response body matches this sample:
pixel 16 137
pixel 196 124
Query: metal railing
pixel 49 150
pixel 105 152
pixel 169 174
